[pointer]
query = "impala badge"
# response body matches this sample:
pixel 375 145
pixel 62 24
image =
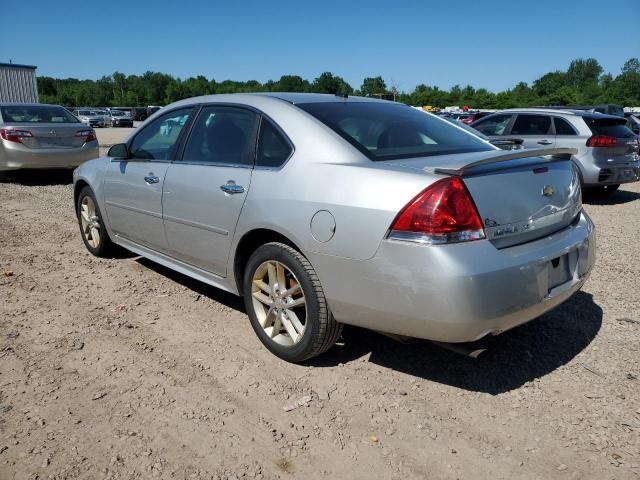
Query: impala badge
pixel 548 190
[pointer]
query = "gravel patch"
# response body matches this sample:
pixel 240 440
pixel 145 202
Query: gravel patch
pixel 120 368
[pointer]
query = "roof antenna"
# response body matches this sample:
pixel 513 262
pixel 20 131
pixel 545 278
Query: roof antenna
pixel 342 95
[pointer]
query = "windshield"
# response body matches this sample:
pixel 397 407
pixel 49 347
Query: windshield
pixel 85 112
pixel 36 114
pixel 387 131
pixel 117 113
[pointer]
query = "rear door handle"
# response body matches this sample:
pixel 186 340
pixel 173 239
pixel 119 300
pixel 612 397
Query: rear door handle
pixel 545 142
pixel 231 188
pixel 151 179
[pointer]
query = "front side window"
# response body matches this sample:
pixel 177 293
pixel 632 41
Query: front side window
pixel 531 125
pixel 36 114
pixel 222 135
pixel 159 139
pixel 493 125
pixel 273 149
pixel 387 130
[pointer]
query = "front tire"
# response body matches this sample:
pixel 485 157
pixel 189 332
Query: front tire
pixel 286 304
pixel 94 234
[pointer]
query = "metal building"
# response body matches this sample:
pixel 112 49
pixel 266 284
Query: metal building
pixel 18 83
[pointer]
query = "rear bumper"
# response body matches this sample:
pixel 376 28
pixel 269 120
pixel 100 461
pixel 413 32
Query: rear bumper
pixel 456 293
pixel 21 157
pixel 613 174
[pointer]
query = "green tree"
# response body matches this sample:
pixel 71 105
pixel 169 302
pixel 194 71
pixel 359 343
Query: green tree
pixel 329 83
pixel 373 86
pixel 291 83
pixel 582 72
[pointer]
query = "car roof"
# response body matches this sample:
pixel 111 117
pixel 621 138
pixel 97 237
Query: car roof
pixel 568 111
pixel 23 104
pixel 294 97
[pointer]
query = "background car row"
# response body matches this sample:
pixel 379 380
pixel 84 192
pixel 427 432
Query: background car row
pixel 104 117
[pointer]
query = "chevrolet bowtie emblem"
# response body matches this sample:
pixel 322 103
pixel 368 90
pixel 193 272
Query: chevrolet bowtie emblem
pixel 548 190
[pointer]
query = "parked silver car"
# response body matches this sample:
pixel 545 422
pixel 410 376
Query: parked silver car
pixel 90 117
pixel 607 151
pixel 322 210
pixel 43 136
pixel 120 118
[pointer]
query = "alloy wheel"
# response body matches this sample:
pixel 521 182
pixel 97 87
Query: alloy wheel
pixel 90 222
pixel 279 303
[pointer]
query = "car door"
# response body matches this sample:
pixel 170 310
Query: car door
pixel 133 186
pixel 205 189
pixel 536 130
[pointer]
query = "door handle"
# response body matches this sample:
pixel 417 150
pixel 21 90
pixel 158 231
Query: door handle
pixel 151 179
pixel 231 188
pixel 545 142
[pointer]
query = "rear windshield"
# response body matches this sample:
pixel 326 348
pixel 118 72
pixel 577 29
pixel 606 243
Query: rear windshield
pixel 387 131
pixel 611 127
pixel 36 114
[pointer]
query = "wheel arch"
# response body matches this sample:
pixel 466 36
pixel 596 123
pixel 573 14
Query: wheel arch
pixel 77 188
pixel 249 243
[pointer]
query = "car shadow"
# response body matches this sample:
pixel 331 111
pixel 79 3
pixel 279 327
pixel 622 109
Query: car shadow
pixel 217 295
pixel 509 361
pixel 616 198
pixel 33 178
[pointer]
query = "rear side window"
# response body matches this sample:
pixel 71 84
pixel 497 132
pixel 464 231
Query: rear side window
pixel 493 125
pixel 611 127
pixel 563 127
pixel 36 114
pixel 222 135
pixel 531 125
pixel 273 148
pixel 388 131
pixel 159 139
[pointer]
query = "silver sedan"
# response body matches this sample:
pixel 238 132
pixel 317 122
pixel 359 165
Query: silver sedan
pixel 323 210
pixel 43 136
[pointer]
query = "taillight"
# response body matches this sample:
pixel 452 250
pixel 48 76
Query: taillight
pixel 88 135
pixel 12 135
pixel 442 213
pixel 602 141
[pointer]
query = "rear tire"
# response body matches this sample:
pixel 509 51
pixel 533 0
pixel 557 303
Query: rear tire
pixel 286 304
pixel 94 234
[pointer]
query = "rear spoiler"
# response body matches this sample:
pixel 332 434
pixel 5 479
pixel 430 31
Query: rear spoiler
pixel 555 153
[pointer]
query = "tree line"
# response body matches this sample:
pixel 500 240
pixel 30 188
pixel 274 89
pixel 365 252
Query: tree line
pixel 584 82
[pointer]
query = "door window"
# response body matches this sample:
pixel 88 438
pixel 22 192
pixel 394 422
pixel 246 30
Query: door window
pixel 159 139
pixel 531 125
pixel 273 149
pixel 563 127
pixel 222 135
pixel 493 125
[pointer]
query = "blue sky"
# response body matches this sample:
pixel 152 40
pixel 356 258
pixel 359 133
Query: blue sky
pixel 491 44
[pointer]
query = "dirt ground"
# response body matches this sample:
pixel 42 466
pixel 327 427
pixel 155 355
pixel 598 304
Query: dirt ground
pixel 123 369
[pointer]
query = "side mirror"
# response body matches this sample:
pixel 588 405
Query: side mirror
pixel 119 151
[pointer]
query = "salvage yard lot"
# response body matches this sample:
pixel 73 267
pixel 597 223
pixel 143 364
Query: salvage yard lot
pixel 120 368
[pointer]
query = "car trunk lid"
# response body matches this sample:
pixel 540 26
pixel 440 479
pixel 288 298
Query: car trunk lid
pixel 52 135
pixel 520 195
